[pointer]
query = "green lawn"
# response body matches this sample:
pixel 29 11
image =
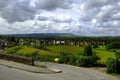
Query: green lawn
pixel 28 50
pixel 65 48
pixel 104 54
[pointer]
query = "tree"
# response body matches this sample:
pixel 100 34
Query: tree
pixel 95 46
pixel 88 51
pixel 113 66
pixel 35 55
pixel 87 59
pixel 63 57
pixel 117 55
pixel 113 45
pixel 1 36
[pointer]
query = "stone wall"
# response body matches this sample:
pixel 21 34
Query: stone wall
pixel 15 58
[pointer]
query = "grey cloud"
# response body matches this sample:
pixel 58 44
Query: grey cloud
pixel 53 4
pixel 3 3
pixel 63 20
pixel 116 16
pixel 21 10
pixel 103 11
pixel 55 17
pixel 18 11
pixel 42 18
pixel 90 4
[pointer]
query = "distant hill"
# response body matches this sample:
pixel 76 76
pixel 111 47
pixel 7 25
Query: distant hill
pixel 42 35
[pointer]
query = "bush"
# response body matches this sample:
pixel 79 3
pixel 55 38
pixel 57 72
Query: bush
pixel 46 58
pixel 83 61
pixel 117 55
pixel 114 45
pixel 63 57
pixel 72 59
pixel 13 50
pixel 88 51
pixel 94 60
pixel 42 47
pixel 113 66
pixel 95 46
pixel 87 61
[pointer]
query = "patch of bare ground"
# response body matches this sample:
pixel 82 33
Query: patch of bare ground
pixel 118 77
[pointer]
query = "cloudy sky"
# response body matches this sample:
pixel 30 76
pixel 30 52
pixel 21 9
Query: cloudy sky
pixel 81 17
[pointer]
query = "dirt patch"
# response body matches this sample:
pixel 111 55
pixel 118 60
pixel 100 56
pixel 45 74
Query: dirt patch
pixel 118 77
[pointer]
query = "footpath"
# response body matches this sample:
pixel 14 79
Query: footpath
pixel 29 68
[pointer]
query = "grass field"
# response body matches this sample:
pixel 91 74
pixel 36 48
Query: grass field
pixel 28 50
pixel 104 54
pixel 55 50
pixel 65 48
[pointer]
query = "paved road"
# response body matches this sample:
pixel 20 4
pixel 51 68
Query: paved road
pixel 24 67
pixel 69 73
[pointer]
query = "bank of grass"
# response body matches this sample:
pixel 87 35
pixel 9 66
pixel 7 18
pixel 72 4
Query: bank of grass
pixel 55 52
pixel 27 50
pixel 30 50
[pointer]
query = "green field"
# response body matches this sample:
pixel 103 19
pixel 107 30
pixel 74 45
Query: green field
pixel 28 50
pixel 65 48
pixel 104 54
pixel 55 50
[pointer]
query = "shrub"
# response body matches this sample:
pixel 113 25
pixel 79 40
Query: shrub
pixel 87 58
pixel 46 58
pixel 82 61
pixel 87 61
pixel 88 51
pixel 114 45
pixel 13 50
pixel 72 59
pixel 113 66
pixel 63 57
pixel 117 55
pixel 94 60
pixel 95 46
pixel 42 47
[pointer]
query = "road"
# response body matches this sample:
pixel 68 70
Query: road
pixel 69 73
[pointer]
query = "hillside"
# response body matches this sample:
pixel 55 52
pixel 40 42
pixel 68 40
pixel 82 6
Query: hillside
pixel 42 35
